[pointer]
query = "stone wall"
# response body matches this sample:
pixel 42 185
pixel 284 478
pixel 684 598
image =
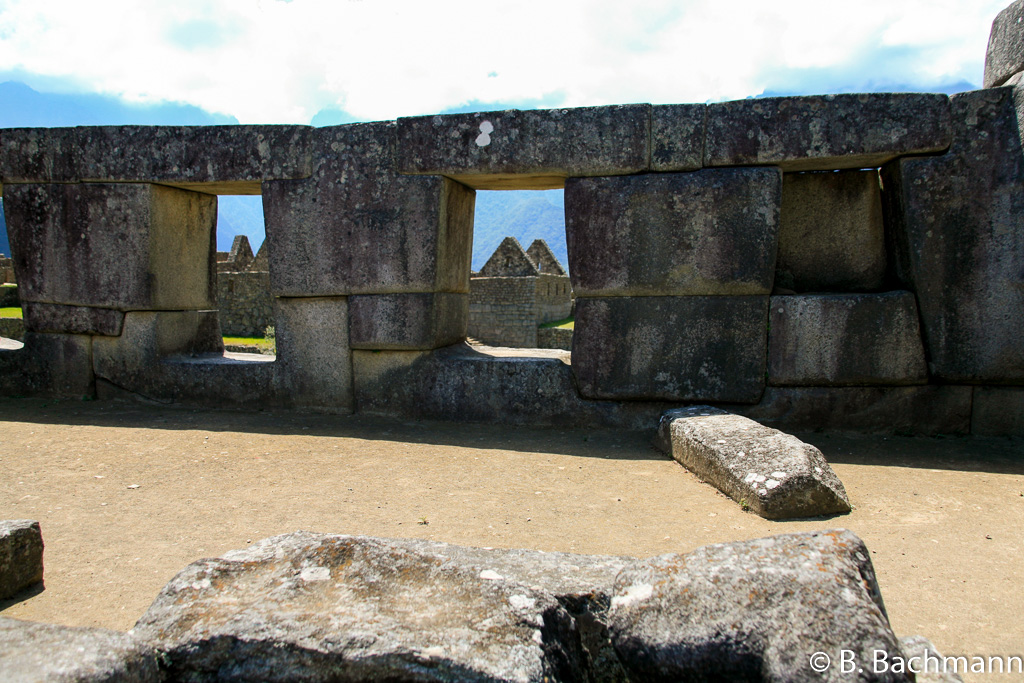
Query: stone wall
pixel 503 311
pixel 554 338
pixel 705 257
pixel 6 270
pixel 245 303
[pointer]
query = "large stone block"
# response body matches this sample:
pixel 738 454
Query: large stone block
pixel 527 150
pixel 407 321
pixel 845 339
pixel 73 319
pixel 708 232
pixel 21 556
pixel 127 246
pixel 32 652
pixel 1005 54
pixel 356 227
pixel 57 365
pixel 955 221
pixel 313 352
pixel 831 234
pixel 672 348
pixel 998 411
pixel 37 155
pixel 677 137
pixel 826 132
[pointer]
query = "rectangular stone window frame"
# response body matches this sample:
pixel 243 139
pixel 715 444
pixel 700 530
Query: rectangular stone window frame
pixel 7 343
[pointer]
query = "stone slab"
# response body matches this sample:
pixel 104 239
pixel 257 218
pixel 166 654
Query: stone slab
pixel 998 411
pixel 671 348
pixel 127 246
pixel 826 132
pixel 925 410
pixel 753 611
pixel 407 321
pixel 831 232
pixel 677 137
pixel 845 339
pixel 32 652
pixel 73 319
pixel 39 155
pixel 313 352
pixel 21 555
pixel 769 472
pixel 356 227
pixel 1005 54
pixel 955 225
pixel 58 365
pixel 524 150
pixel 711 232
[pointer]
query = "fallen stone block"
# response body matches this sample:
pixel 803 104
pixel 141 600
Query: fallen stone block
pixel 826 132
pixel 686 348
pixel 120 246
pixel 761 610
pixel 845 339
pixel 21 555
pixel 831 234
pixel 31 652
pixel 955 226
pixel 1005 54
pixel 526 150
pixel 73 319
pixel 357 227
pixel 711 232
pixel 407 321
pixel 922 659
pixel 327 608
pixel 998 411
pixel 770 472
pixel 677 137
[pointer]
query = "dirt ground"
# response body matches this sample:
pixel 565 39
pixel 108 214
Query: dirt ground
pixel 127 495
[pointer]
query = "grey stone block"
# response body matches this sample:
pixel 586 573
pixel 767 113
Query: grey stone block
pixel 527 150
pixel 998 411
pixel 831 234
pixel 926 410
pixel 955 223
pixel 671 348
pixel 826 132
pixel 677 137
pixel 707 232
pixel 73 319
pixel 356 227
pixel 927 663
pixel 125 246
pixel 845 339
pixel 753 611
pixel 313 352
pixel 21 555
pixel 38 155
pixel 32 652
pixel 56 365
pixel 774 474
pixel 1005 54
pixel 407 321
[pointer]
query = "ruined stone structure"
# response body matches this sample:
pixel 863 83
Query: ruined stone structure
pixel 6 270
pixel 516 291
pixel 716 256
pixel 243 290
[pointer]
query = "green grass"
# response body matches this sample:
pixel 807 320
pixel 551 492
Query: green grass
pixel 12 312
pixel 567 323
pixel 249 341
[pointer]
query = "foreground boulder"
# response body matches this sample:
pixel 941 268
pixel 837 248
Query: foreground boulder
pixel 21 555
pixel 48 652
pixel 761 610
pixel 772 473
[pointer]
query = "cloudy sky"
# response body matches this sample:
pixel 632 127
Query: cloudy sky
pixel 332 61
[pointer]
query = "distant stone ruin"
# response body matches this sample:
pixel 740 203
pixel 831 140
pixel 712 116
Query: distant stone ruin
pixel 244 300
pixel 840 261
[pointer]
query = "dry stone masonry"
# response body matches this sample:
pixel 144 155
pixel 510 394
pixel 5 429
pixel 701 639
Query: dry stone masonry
pixel 845 261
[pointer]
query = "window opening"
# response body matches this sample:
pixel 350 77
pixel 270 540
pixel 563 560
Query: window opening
pixel 12 328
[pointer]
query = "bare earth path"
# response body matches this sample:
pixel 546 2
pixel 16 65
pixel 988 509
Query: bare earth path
pixel 128 495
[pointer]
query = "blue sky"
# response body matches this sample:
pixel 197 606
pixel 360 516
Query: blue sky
pixel 334 61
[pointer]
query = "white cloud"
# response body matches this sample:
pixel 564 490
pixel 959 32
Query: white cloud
pixel 273 61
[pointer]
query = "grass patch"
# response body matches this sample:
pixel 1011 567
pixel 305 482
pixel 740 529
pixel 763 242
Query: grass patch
pixel 262 342
pixel 11 312
pixel 567 323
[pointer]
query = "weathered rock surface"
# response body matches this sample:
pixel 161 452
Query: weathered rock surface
pixel 921 657
pixel 407 321
pixel 121 246
pixel 845 339
pixel 752 611
pixel 774 474
pixel 313 355
pixel 955 221
pixel 21 555
pixel 31 652
pixel 998 411
pixel 686 348
pixel 1005 54
pixel 356 227
pixel 37 155
pixel 826 132
pixel 52 365
pixel 711 232
pixel 504 150
pixel 72 319
pixel 677 137
pixel 831 235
